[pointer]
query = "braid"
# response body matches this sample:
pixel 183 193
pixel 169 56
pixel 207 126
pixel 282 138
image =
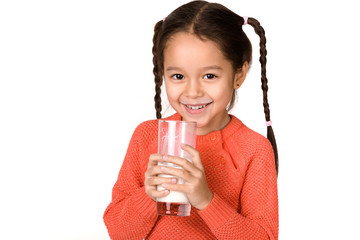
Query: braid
pixel 264 85
pixel 156 70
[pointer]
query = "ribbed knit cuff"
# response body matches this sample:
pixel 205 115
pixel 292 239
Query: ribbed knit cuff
pixel 217 213
pixel 144 204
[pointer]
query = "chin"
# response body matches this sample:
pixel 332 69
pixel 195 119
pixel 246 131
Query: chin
pixel 191 119
pixel 200 125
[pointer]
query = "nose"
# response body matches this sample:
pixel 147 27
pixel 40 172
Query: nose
pixel 193 88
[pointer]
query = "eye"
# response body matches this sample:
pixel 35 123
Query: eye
pixel 177 76
pixel 209 76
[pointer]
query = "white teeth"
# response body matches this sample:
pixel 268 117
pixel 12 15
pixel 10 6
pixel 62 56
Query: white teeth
pixel 196 108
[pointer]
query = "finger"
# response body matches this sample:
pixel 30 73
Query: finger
pixel 182 162
pixel 156 194
pixel 176 187
pixel 194 154
pixel 153 171
pixel 185 175
pixel 154 181
pixel 154 158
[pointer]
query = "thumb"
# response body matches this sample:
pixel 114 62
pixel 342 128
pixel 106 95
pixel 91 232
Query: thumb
pixel 194 154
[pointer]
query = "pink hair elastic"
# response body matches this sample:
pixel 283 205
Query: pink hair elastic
pixel 269 123
pixel 245 20
pixel 164 19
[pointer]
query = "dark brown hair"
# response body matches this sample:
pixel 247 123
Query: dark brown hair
pixel 217 23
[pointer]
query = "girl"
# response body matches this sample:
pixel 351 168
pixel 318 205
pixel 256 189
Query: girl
pixel 202 55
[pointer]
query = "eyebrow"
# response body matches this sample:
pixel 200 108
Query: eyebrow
pixel 212 67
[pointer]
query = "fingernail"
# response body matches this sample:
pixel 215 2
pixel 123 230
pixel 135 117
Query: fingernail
pixel 173 180
pixel 163 185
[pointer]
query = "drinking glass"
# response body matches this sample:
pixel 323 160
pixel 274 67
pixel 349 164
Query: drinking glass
pixel 171 135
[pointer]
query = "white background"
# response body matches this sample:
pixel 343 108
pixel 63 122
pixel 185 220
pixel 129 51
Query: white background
pixel 76 79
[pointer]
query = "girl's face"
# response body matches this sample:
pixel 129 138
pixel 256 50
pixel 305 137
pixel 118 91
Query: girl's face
pixel 199 81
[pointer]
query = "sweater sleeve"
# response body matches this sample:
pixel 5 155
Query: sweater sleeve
pixel 257 217
pixel 131 213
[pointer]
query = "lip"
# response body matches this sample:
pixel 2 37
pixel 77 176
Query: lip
pixel 196 108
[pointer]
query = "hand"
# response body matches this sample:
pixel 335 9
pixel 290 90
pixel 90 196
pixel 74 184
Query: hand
pixel 195 186
pixel 152 180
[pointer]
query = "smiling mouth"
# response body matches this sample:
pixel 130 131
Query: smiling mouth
pixel 196 106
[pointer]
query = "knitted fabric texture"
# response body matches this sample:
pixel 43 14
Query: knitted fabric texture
pixel 240 171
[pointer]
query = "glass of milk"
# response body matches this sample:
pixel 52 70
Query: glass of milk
pixel 170 135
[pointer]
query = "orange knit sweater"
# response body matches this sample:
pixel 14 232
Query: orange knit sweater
pixel 240 171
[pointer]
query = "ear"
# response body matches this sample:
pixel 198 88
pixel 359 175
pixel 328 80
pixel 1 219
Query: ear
pixel 240 75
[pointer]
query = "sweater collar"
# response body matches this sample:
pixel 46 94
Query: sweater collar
pixel 214 136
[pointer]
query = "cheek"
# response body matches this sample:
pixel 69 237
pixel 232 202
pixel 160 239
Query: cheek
pixel 222 93
pixel 171 92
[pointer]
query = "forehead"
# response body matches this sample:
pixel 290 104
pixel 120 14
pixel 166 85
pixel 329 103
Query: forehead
pixel 188 47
